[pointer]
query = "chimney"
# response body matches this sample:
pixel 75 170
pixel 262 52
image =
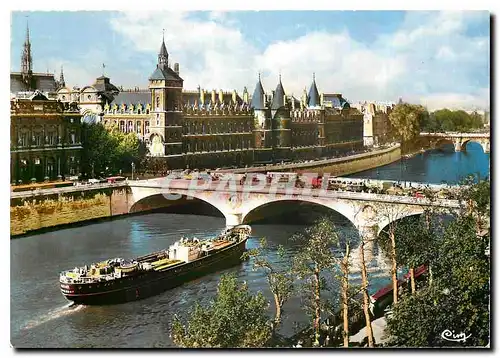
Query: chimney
pixel 213 96
pixel 245 96
pixel 176 68
pixel 221 96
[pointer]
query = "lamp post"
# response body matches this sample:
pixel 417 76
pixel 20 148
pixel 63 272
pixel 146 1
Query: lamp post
pixel 133 166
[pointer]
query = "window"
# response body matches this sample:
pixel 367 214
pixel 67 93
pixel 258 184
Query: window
pixel 138 126
pixel 157 120
pixel 73 138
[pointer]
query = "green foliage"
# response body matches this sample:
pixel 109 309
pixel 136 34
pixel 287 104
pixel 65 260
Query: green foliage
pixel 445 120
pixel 405 120
pixel 317 241
pixel 106 147
pixel 457 301
pixel 315 256
pixel 235 318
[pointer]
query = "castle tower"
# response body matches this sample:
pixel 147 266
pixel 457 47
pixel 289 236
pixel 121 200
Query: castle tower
pixel 166 86
pixel 262 127
pixel 27 62
pixel 280 114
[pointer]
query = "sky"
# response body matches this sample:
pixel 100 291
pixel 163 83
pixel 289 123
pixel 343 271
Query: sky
pixel 438 59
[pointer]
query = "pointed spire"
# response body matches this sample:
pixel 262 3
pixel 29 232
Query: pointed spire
pixel 258 96
pixel 279 96
pixel 313 97
pixel 163 55
pixel 26 60
pixel 27 32
pixel 61 79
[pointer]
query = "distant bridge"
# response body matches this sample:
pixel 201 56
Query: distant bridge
pixel 459 140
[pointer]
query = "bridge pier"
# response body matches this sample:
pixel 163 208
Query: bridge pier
pixel 486 146
pixel 368 235
pixel 458 145
pixel 233 220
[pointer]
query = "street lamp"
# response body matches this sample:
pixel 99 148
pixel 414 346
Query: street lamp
pixel 133 166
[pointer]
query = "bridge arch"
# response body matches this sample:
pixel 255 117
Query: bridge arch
pixel 474 140
pixel 158 200
pixel 344 209
pixel 439 143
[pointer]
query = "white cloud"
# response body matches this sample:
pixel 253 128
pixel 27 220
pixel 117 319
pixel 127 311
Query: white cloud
pixel 429 59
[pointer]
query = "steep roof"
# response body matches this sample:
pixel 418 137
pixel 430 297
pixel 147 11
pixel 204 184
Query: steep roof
pixel 313 97
pixel 165 73
pixel 279 97
pixel 163 49
pixel 142 97
pixel 257 101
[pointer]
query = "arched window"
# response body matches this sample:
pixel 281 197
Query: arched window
pixel 138 127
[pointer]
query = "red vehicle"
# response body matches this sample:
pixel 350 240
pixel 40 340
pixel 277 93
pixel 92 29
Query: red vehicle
pixel 115 179
pixel 316 182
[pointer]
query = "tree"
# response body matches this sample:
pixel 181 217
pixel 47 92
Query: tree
pixel 315 256
pixel 405 121
pixel 235 318
pixel 457 301
pixel 280 280
pixel 99 149
pixel 345 265
pixel 107 147
pixel 415 244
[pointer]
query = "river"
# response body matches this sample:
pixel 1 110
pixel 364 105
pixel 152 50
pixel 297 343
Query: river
pixel 41 317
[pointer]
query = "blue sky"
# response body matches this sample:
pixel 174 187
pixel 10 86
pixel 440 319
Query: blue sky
pixel 439 59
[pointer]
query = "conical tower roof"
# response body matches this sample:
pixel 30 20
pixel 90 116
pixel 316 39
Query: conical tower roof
pixel 313 97
pixel 258 96
pixel 279 96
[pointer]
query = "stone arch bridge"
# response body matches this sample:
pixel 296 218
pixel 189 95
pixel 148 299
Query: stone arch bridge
pixel 459 140
pixel 369 213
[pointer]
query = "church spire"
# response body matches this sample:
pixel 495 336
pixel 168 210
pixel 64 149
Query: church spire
pixel 61 79
pixel 163 55
pixel 26 60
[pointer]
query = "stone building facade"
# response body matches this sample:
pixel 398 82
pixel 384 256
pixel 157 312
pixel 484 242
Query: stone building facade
pixel 377 127
pixel 45 139
pixel 216 128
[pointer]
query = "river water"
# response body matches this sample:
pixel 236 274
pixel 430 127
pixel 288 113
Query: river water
pixel 41 317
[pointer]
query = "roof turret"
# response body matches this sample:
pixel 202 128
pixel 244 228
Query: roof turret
pixel 313 97
pixel 258 96
pixel 279 96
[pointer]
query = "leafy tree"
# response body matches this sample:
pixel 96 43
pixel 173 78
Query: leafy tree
pixel 280 280
pixel 315 256
pixel 405 121
pixel 99 149
pixel 457 301
pixel 107 147
pixel 235 318
pixel 415 244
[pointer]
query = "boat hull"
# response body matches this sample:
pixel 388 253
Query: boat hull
pixel 151 283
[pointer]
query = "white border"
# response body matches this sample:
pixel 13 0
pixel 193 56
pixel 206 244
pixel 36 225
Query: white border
pixel 30 5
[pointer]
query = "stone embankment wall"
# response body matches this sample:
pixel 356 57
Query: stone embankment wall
pixel 338 166
pixel 39 212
